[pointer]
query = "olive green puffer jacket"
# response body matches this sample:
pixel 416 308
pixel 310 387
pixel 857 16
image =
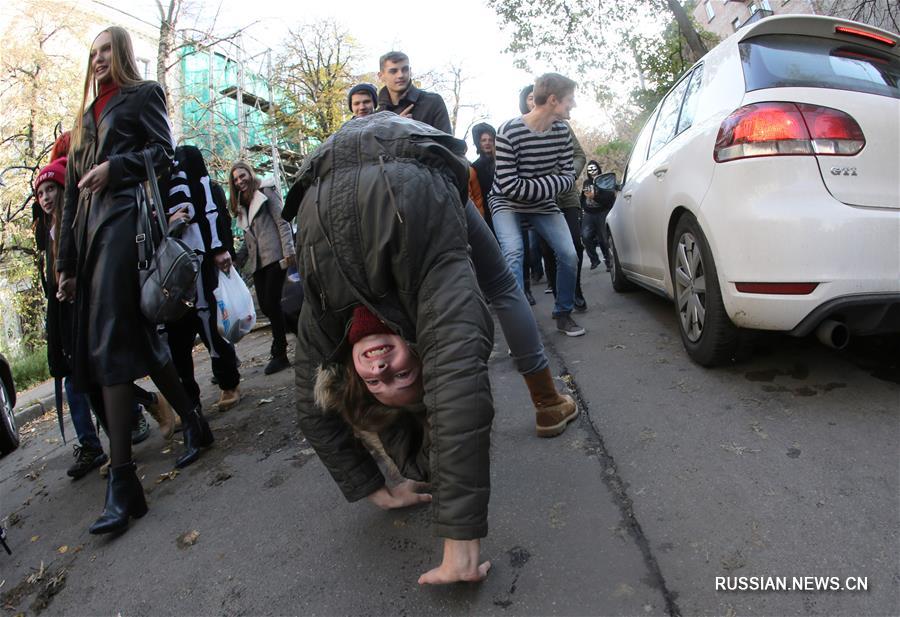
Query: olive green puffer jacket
pixel 380 219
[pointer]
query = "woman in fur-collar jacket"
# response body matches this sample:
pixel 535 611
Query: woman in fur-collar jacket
pixel 269 249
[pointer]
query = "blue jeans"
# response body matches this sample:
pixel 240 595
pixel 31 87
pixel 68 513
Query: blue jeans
pixel 555 232
pixel 80 408
pixel 507 300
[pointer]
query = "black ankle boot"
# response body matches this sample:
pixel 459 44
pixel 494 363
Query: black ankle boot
pixel 124 498
pixel 279 362
pixel 197 434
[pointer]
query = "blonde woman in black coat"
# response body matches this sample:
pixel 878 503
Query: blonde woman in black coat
pixel 97 261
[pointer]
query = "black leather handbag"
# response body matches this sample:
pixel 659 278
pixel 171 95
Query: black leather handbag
pixel 168 273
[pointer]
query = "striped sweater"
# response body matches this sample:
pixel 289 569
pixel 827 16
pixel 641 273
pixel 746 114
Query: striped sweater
pixel 532 168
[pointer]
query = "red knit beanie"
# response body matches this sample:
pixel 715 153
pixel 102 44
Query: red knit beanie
pixel 55 171
pixel 364 323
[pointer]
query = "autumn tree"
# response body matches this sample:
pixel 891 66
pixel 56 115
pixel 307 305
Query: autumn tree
pixel 606 43
pixel 40 90
pixel 880 13
pixel 313 74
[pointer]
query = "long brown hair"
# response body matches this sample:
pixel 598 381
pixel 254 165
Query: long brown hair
pixel 234 195
pixel 122 68
pixel 44 222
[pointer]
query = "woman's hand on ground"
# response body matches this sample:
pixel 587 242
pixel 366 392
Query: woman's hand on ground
pixel 96 179
pixel 65 292
pixel 403 495
pixel 460 563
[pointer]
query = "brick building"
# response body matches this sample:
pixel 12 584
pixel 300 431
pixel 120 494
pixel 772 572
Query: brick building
pixel 723 17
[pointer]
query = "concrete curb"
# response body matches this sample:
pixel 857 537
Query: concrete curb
pixel 35 410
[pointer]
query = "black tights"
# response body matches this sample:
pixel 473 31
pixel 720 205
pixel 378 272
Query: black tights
pixel 118 401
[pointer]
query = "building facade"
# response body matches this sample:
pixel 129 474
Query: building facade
pixel 724 17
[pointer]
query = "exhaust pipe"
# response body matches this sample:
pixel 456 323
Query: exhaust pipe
pixel 833 333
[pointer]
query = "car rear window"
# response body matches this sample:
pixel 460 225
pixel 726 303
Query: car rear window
pixel 788 60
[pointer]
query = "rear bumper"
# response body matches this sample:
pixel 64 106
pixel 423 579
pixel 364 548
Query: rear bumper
pixel 771 220
pixel 862 314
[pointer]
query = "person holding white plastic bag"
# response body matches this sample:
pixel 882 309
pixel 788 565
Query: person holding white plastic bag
pixel 269 248
pixel 236 315
pixel 200 203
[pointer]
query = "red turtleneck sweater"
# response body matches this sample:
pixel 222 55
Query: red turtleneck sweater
pixel 107 91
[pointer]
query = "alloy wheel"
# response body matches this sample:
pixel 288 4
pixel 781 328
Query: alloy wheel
pixel 690 286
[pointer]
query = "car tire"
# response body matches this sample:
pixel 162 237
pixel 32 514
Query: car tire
pixel 616 276
pixel 708 334
pixel 9 433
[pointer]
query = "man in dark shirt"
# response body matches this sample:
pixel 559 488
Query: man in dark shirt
pixel 400 96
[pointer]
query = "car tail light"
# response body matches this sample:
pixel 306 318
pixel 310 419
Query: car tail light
pixel 871 36
pixel 787 129
pixel 832 131
pixel 782 289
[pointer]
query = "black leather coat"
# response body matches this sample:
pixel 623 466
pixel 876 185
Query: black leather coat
pixel 112 342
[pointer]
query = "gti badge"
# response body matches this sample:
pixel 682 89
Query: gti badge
pixel 843 171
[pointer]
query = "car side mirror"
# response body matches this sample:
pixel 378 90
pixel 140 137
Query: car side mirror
pixel 607 182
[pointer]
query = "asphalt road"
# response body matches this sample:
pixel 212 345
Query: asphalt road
pixel 785 465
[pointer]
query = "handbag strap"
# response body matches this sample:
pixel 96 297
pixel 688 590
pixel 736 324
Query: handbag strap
pixel 144 236
pixel 154 195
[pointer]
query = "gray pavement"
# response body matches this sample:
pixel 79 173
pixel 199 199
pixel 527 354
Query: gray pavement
pixel 785 465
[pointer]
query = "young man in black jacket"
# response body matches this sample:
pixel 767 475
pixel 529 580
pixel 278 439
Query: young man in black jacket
pixel 400 96
pixel 596 203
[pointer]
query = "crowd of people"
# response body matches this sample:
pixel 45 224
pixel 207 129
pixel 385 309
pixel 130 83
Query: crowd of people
pixel 404 249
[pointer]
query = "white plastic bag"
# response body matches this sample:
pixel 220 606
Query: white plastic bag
pixel 234 306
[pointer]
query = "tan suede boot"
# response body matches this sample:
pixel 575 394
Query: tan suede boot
pixel 228 399
pixel 162 412
pixel 554 410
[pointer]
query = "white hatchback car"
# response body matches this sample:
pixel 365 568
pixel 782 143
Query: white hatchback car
pixel 764 190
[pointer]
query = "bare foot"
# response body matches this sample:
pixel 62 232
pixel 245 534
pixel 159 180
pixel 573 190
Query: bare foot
pixel 460 564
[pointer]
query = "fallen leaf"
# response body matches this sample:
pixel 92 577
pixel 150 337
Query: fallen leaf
pixel 188 538
pixel 171 475
pixel 33 578
pixel 264 401
pixel 167 451
pixel 34 538
pixel 260 434
pixel 62 550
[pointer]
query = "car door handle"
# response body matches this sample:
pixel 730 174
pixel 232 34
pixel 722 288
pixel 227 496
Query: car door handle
pixel 659 172
pixel 626 196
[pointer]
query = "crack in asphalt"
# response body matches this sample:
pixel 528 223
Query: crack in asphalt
pixel 616 485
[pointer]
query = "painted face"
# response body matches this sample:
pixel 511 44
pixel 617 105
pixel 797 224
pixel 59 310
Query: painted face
pixel 395 76
pixel 361 104
pixel 389 368
pixel 241 179
pixel 563 107
pixel 593 170
pixel 46 196
pixel 486 142
pixel 529 101
pixel 101 56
